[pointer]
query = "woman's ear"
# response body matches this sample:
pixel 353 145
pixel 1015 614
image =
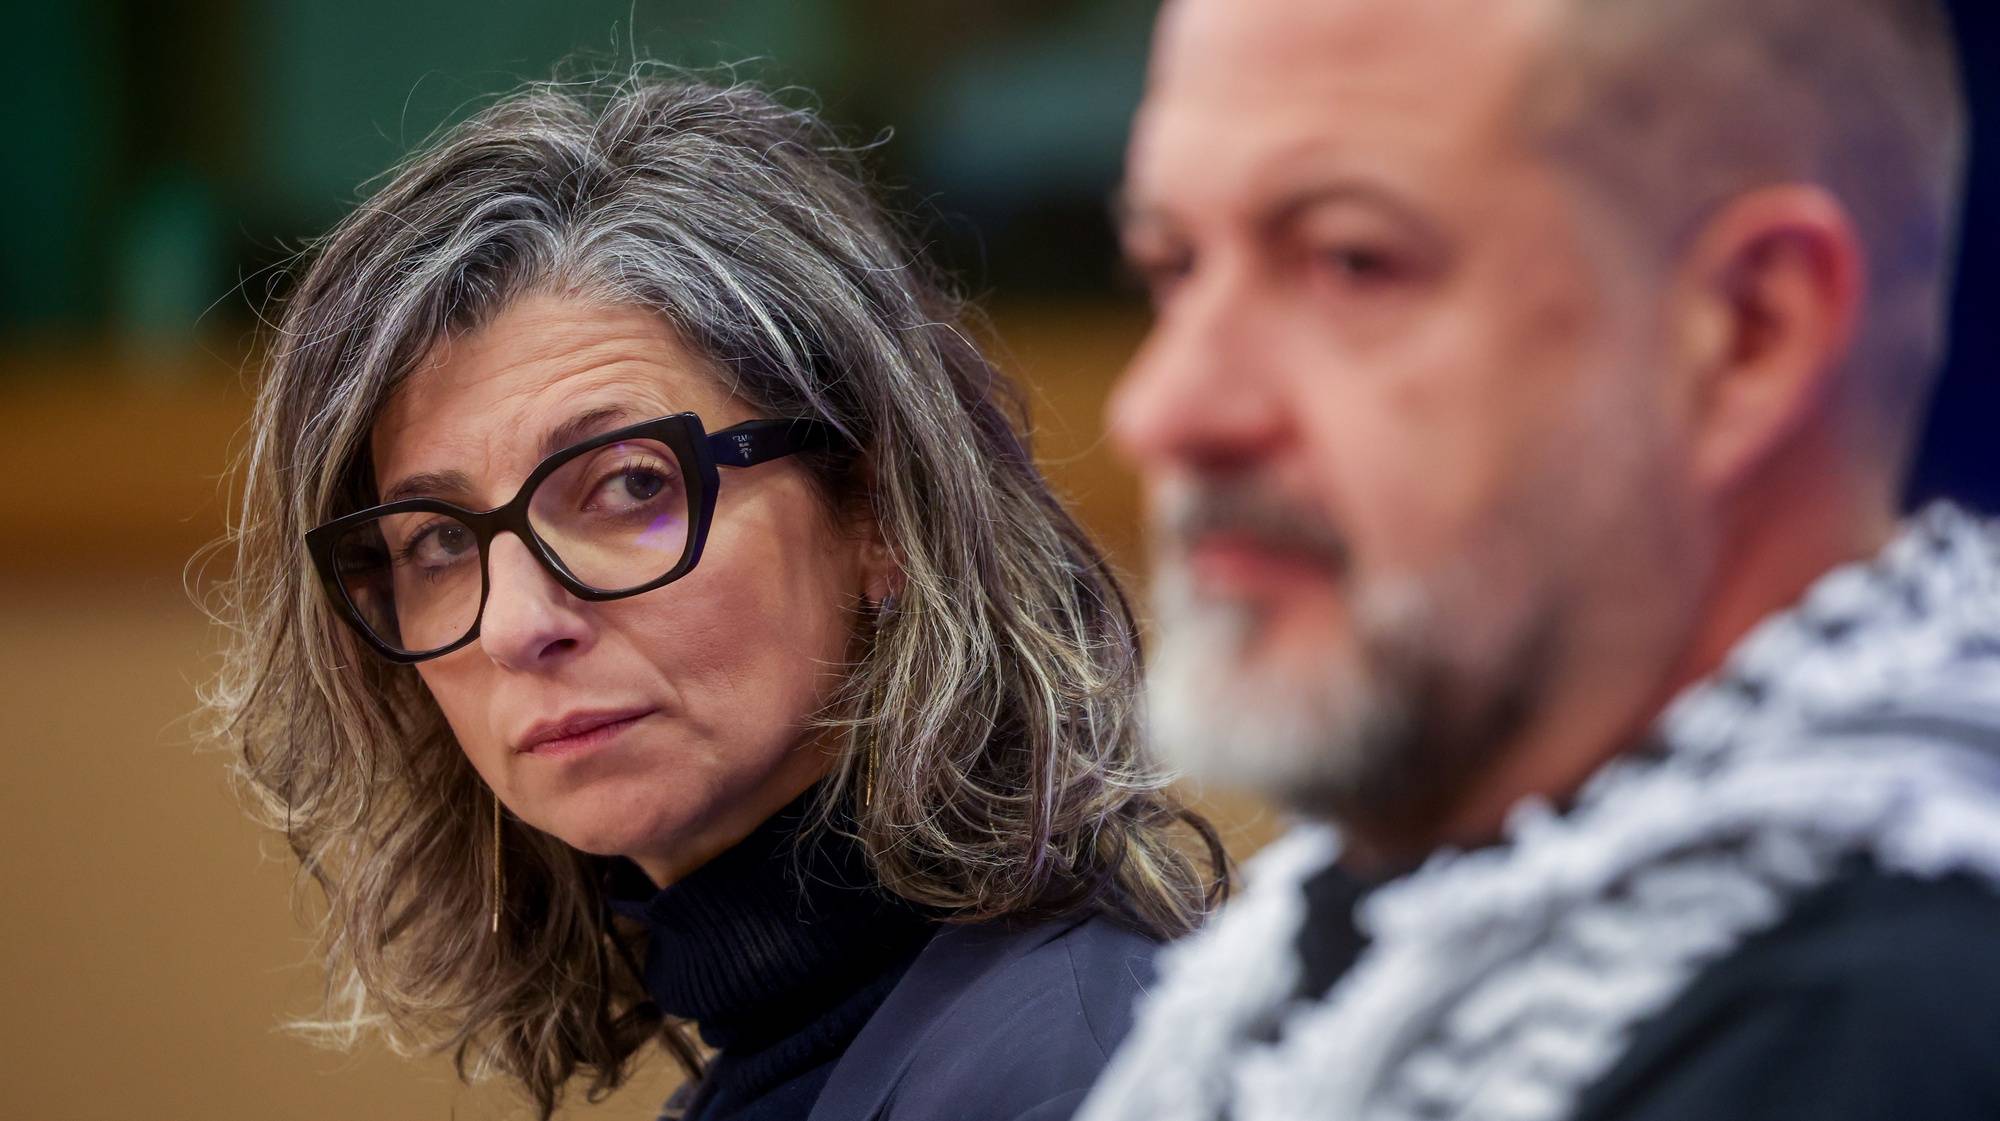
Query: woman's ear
pixel 881 570
pixel 1772 292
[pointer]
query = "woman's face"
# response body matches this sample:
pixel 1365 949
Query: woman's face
pixel 710 680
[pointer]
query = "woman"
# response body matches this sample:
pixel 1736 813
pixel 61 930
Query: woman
pixel 647 615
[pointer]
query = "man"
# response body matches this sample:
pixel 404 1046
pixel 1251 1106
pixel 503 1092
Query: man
pixel 1524 418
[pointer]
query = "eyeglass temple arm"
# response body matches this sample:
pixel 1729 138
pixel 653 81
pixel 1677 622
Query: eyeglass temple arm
pixel 755 441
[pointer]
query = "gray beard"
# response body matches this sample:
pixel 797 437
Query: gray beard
pixel 1382 731
pixel 1318 742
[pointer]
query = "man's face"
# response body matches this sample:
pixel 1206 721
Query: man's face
pixel 1396 417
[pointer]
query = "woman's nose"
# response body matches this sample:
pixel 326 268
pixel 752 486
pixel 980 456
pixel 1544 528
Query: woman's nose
pixel 530 621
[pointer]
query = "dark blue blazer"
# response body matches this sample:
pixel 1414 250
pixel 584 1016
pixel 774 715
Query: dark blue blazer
pixel 994 1023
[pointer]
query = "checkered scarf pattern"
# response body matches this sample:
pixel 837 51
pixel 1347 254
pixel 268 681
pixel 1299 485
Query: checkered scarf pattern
pixel 1500 983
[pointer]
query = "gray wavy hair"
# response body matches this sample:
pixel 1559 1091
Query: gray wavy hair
pixel 997 703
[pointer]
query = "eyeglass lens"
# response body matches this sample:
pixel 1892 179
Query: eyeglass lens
pixel 617 517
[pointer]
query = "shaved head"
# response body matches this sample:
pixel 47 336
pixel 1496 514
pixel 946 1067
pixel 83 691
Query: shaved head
pixel 1668 108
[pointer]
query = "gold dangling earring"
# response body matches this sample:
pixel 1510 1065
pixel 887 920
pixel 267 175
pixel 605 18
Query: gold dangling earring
pixel 883 607
pixel 496 877
pixel 868 774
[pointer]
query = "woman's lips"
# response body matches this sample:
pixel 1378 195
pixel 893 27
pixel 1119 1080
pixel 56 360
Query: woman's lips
pixel 578 732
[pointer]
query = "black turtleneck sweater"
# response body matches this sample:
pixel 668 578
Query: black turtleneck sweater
pixel 778 952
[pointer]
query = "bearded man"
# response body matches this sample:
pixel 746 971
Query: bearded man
pixel 1531 389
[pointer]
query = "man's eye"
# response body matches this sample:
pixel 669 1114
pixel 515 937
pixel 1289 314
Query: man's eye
pixel 1159 276
pixel 1356 264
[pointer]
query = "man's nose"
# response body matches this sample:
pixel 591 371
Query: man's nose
pixel 1199 394
pixel 530 621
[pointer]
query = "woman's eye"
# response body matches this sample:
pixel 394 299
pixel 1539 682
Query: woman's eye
pixel 629 487
pixel 642 485
pixel 440 545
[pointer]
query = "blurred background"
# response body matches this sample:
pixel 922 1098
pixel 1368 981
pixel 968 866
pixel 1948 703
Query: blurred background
pixel 164 162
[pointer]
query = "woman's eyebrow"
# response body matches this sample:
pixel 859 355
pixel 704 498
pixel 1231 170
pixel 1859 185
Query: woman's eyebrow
pixel 580 427
pixel 428 484
pixel 442 484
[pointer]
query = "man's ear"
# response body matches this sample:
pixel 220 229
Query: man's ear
pixel 1769 302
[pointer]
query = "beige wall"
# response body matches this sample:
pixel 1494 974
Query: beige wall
pixel 147 948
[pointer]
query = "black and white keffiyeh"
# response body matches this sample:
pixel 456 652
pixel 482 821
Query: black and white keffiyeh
pixel 1500 983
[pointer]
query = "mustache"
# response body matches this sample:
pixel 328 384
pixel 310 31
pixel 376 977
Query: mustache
pixel 1253 510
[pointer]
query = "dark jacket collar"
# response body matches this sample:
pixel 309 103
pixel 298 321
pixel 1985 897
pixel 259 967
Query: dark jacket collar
pixel 947 1002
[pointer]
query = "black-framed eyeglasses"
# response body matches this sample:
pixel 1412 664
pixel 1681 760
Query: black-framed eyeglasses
pixel 618 514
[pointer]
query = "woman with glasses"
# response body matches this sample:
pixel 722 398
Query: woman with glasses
pixel 647 621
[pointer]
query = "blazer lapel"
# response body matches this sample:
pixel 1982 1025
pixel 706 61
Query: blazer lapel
pixel 950 966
